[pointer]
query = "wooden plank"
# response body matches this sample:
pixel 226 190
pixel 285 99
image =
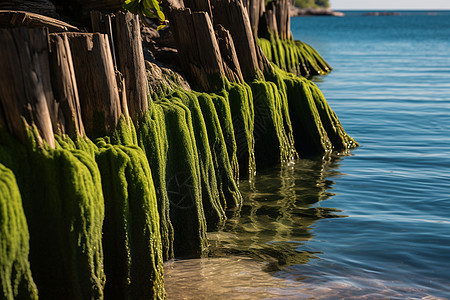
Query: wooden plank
pixel 10 18
pixel 283 18
pixel 198 6
pixel 255 10
pixel 184 33
pixel 208 47
pixel 41 7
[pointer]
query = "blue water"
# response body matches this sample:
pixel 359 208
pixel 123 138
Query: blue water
pixel 373 225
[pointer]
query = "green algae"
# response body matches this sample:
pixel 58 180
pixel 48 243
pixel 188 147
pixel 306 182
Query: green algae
pixel 152 138
pixel 125 133
pixel 273 142
pixel 222 107
pixel 212 207
pixel 309 134
pixel 16 281
pixel 230 197
pixel 133 255
pixel 63 205
pixel 294 56
pixel 240 99
pixel 131 236
pixel 340 140
pixel 183 181
pixel 316 128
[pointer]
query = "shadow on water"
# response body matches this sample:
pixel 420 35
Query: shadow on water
pixel 268 234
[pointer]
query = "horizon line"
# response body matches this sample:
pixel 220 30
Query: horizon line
pixel 393 9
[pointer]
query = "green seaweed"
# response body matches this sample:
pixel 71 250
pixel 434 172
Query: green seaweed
pixel 272 130
pixel 131 236
pixel 16 281
pixel 340 140
pixel 183 181
pixel 309 134
pixel 316 128
pixel 213 210
pixel 242 112
pixel 125 133
pixel 294 56
pixel 229 194
pixel 152 138
pixel 64 208
pixel 222 107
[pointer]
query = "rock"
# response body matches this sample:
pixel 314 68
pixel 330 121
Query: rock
pixel 296 11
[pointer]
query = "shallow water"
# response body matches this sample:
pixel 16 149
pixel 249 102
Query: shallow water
pixel 373 225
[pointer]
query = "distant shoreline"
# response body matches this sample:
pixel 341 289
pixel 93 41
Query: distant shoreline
pixel 321 11
pixel 306 12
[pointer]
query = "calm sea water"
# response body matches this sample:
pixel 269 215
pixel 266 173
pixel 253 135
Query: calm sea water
pixel 373 225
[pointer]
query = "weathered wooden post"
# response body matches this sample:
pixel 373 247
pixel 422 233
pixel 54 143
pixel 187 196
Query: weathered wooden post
pixel 130 62
pixel 255 9
pixel 65 87
pixel 25 89
pixel 101 107
pixel 198 48
pixel 231 65
pixel 232 15
pixel 123 30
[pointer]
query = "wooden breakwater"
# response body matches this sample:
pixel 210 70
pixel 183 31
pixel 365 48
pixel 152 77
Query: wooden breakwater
pixel 109 167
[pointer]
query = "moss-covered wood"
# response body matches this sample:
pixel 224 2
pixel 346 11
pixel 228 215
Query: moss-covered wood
pixel 152 138
pixel 229 195
pixel 316 128
pixel 16 281
pixel 146 191
pixel 240 100
pixel 63 204
pixel 294 56
pixel 213 209
pixel 131 237
pixel 183 181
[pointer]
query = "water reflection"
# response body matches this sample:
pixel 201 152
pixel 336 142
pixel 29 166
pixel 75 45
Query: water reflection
pixel 270 232
pixel 279 208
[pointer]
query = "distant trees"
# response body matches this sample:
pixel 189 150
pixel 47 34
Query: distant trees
pixel 311 3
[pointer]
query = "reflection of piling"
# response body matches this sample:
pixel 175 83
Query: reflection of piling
pixel 278 213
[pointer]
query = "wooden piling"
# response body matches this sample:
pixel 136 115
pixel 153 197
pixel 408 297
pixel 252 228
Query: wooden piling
pixel 123 30
pixel 65 87
pixel 25 89
pixel 96 81
pixel 130 62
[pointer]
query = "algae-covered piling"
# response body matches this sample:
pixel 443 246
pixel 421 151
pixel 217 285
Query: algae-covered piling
pixel 100 216
pixel 131 239
pixel 63 205
pixel 16 281
pixel 184 182
pixel 294 56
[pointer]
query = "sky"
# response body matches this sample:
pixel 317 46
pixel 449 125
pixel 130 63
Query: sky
pixel 390 4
